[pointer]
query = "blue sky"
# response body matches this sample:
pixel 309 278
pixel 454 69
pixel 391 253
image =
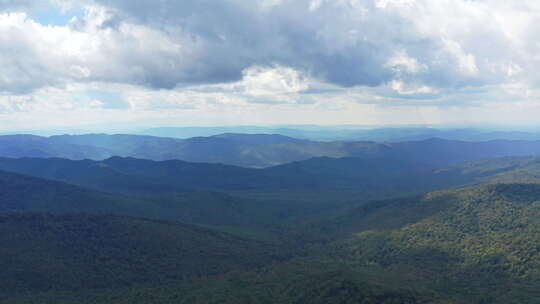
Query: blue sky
pixel 54 15
pixel 99 64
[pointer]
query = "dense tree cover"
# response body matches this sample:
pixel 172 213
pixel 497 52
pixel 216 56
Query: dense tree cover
pixel 177 190
pixel 464 245
pixel 74 253
pixel 261 208
pixel 139 176
pixel 473 244
pixel 306 281
pixel 470 245
pixel 25 193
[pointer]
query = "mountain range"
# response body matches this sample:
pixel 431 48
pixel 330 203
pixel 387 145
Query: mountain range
pixel 255 150
pixel 432 221
pixel 353 133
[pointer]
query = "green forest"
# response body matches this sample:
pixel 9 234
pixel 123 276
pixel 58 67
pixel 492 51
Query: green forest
pixel 324 230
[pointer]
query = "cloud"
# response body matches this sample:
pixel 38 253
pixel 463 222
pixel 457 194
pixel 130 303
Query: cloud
pixel 213 55
pixel 347 43
pixel 169 44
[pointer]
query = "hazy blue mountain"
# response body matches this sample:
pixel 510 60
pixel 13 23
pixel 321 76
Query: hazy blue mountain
pixel 37 146
pixel 406 171
pixel 130 175
pixel 257 150
pixel 181 191
pixel 310 132
pixel 177 190
pixel 188 132
pixel 351 133
pixel 259 139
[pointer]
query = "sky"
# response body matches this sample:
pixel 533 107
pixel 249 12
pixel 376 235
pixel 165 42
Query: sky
pixel 99 64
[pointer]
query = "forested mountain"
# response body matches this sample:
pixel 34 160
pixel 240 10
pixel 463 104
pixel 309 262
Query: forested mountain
pixel 256 150
pixel 475 245
pixel 20 193
pixel 216 194
pixel 132 175
pixel 188 192
pixel 37 146
pixel 469 245
pixel 25 193
pixel 43 253
pixel 321 230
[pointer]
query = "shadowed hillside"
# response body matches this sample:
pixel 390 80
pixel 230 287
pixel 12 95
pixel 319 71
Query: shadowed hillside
pixel 77 253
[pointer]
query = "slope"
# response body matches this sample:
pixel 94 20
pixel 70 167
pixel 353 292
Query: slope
pixel 476 244
pixel 77 253
pixel 25 193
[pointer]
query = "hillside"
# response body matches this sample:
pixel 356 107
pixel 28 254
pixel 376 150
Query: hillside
pixel 475 245
pixel 470 245
pixel 213 194
pixel 25 193
pixel 141 176
pixel 466 245
pixel 175 189
pixel 78 253
pixel 138 175
pixel 20 193
pixel 508 170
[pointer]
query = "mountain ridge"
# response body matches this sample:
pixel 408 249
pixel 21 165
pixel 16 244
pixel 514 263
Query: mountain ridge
pixel 255 150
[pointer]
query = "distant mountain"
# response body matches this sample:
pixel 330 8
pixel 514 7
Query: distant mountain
pixel 36 146
pixel 351 133
pixel 131 175
pixel 188 132
pixel 188 192
pixel 423 133
pixel 194 192
pixel 259 139
pixel 239 149
pixel 393 173
pixel 309 132
pixel 256 150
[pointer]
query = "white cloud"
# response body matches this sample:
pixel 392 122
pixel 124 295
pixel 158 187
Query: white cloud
pixel 402 63
pixel 407 89
pixel 227 55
